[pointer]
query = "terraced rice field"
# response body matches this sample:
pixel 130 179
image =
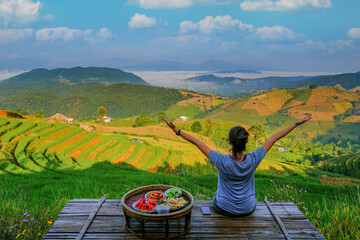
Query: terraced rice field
pixel 28 146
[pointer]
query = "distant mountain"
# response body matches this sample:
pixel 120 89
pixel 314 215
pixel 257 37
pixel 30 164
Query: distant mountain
pixel 231 86
pixel 236 87
pixel 346 80
pixel 44 78
pixel 239 71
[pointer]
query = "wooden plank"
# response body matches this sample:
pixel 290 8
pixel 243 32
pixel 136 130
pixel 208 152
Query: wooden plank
pixel 287 236
pixel 91 218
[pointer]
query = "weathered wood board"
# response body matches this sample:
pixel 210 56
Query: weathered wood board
pixel 109 223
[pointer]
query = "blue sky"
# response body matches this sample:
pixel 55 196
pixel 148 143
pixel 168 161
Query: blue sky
pixel 292 35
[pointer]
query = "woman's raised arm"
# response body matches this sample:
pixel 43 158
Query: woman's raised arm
pixel 270 142
pixel 199 144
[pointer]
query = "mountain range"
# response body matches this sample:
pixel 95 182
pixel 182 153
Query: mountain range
pixel 80 91
pixel 236 87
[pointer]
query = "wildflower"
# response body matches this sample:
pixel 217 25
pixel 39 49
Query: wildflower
pixel 25 220
pixel 209 198
pixel 10 230
pixel 25 213
pixel 11 227
pixel 15 225
pixel 28 215
pixel 50 222
pixel 23 231
pixel 32 219
pixel 18 235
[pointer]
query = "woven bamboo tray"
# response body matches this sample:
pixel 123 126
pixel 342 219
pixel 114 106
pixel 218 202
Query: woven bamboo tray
pixel 130 197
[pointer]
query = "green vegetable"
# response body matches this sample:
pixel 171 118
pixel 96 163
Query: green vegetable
pixel 173 192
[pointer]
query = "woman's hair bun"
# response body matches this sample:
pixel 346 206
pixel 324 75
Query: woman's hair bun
pixel 238 137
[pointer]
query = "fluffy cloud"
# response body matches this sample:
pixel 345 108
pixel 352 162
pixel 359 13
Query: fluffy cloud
pixel 210 24
pixel 276 33
pixel 12 35
pixel 283 5
pixel 153 4
pixel 142 21
pixel 60 33
pixel 20 12
pixel 104 34
pixel 101 36
pixel 354 33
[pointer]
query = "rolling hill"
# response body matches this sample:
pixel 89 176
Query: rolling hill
pixel 236 87
pixel 82 100
pixel 39 78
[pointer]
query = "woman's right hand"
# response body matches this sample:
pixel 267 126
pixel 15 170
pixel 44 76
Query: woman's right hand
pixel 170 124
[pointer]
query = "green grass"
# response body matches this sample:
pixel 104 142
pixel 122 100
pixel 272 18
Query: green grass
pixel 333 210
pixel 301 94
pixel 176 111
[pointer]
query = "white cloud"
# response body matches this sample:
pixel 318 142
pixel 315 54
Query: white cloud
pixel 153 4
pixel 276 33
pixel 60 33
pixel 237 81
pixel 20 12
pixel 354 33
pixel 101 36
pixel 12 35
pixel 283 5
pixel 210 24
pixel 104 34
pixel 142 21
pixel 5 74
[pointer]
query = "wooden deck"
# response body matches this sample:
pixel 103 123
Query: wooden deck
pixel 109 223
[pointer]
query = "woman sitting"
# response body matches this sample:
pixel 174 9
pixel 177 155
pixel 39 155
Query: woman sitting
pixel 235 195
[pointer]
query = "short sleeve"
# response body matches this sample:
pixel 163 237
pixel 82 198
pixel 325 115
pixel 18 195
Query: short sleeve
pixel 257 156
pixel 215 158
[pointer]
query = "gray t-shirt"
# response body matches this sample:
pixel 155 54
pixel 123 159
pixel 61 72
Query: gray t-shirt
pixel 236 185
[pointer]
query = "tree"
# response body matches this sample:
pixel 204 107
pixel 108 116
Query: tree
pixel 312 86
pixel 142 120
pixel 162 114
pixel 258 132
pixel 39 113
pixel 196 127
pixel 101 111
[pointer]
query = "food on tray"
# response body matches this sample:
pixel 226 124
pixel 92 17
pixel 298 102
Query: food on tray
pixel 146 206
pixel 155 196
pixel 173 192
pixel 174 203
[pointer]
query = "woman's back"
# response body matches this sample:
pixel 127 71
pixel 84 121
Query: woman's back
pixel 236 185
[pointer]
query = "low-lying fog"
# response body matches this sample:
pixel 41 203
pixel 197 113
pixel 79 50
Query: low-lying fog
pixel 175 79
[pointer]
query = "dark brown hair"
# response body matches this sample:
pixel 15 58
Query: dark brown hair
pixel 238 137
